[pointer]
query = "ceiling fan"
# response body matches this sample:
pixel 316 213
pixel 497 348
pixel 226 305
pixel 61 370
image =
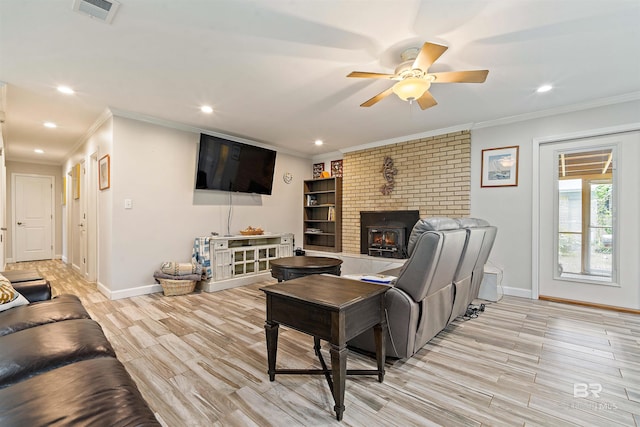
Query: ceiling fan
pixel 414 79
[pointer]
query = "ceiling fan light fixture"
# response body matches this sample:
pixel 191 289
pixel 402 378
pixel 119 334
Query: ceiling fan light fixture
pixel 411 88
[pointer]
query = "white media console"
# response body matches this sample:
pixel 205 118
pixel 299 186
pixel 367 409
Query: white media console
pixel 241 260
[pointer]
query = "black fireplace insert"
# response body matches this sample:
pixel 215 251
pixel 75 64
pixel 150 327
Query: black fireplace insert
pixel 389 242
pixel 393 229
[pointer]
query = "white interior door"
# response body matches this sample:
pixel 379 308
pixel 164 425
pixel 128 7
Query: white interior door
pixel 77 224
pixel 589 237
pixel 33 217
pixel 3 210
pixel 92 219
pixel 84 190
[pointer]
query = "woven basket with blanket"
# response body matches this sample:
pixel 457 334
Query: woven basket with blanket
pixel 178 278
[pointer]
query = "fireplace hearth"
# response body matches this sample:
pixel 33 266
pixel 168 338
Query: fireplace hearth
pixel 386 233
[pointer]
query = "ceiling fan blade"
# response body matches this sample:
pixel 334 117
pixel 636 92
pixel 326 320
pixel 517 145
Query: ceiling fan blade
pixel 426 101
pixel 429 53
pixel 377 98
pixel 476 76
pixel 365 75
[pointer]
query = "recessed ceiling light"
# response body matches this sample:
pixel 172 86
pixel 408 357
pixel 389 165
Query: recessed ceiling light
pixel 544 88
pixel 206 109
pixel 318 142
pixel 66 90
pixel 50 125
pixel 39 151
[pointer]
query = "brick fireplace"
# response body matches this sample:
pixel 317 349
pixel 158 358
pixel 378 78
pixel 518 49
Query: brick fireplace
pixel 434 178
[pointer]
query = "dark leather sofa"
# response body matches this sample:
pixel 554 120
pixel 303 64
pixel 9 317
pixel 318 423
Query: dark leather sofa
pixel 58 368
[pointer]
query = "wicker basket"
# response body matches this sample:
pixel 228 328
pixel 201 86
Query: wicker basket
pixel 252 232
pixel 172 287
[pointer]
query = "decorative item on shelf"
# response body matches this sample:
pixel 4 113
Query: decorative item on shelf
pixel 331 213
pixel 336 168
pixel 312 200
pixel 250 231
pixel 317 170
pixel 388 172
pixel 500 167
pixel 325 174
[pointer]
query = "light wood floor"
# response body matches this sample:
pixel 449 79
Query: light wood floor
pixel 200 360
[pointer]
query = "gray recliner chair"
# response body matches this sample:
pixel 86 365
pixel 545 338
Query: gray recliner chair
pixel 462 280
pixel 420 302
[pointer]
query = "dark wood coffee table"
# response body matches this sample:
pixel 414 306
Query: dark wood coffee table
pixel 298 266
pixel 332 309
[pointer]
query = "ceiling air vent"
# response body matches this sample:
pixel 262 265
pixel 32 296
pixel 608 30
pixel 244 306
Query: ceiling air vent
pixel 103 10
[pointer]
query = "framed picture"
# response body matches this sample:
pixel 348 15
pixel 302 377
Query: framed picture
pixel 317 170
pixel 76 181
pixel 336 168
pixel 104 172
pixel 500 167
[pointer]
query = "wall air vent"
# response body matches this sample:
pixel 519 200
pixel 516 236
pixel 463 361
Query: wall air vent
pixel 102 10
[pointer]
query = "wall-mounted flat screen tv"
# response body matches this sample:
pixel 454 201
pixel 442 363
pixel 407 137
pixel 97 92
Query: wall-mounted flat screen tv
pixel 233 166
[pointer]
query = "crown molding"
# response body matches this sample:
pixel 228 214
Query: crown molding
pixel 103 117
pixel 406 138
pixel 633 96
pixel 194 129
pixel 332 155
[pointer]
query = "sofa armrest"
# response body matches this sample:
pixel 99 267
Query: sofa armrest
pixel 35 290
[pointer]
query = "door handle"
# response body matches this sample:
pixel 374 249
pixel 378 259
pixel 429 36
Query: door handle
pixel 19 223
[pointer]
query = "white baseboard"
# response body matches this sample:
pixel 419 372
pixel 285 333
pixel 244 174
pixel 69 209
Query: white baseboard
pixel 213 286
pixel 62 257
pixel 128 293
pixel 516 292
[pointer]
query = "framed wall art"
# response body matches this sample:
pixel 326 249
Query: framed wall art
pixel 104 172
pixel 317 170
pixel 336 168
pixel 500 167
pixel 76 181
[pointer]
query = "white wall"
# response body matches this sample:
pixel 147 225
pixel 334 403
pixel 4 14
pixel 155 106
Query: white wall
pixel 98 141
pixel 509 208
pixel 154 166
pixel 102 143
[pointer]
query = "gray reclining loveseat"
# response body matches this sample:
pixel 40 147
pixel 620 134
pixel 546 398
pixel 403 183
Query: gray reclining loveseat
pixel 436 283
